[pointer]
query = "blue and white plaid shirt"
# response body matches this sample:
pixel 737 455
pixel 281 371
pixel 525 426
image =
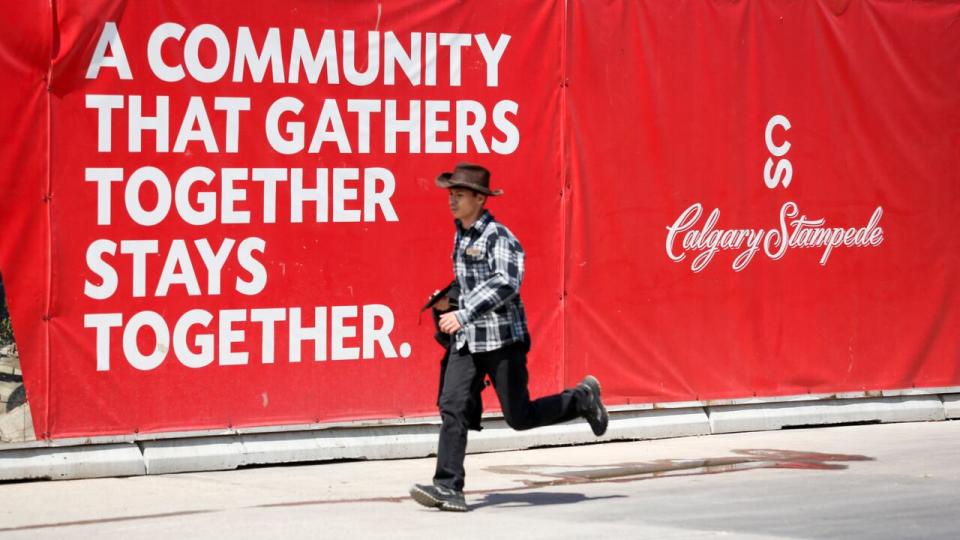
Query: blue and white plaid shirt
pixel 488 264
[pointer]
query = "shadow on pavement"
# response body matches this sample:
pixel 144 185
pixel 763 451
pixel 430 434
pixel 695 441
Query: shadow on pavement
pixel 537 498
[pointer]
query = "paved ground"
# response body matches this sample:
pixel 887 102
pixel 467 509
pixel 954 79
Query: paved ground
pixel 876 481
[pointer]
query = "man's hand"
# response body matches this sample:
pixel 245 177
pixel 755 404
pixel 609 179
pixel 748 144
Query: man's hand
pixel 449 323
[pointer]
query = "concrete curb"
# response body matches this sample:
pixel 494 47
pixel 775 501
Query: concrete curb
pixel 191 455
pixel 734 418
pixel 951 405
pixel 411 440
pixel 72 462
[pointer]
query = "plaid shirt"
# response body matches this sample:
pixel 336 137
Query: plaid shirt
pixel 488 263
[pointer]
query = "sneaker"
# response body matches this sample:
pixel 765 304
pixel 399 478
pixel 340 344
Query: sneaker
pixel 594 411
pixel 439 497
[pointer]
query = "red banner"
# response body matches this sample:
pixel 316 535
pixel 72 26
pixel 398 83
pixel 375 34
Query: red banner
pixel 769 210
pixel 221 215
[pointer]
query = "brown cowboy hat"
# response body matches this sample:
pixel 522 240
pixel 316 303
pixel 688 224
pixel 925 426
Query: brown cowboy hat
pixel 469 176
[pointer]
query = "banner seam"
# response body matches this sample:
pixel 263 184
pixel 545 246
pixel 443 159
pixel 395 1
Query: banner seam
pixel 48 228
pixel 564 192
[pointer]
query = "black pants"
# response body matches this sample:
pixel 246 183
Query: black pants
pixel 507 368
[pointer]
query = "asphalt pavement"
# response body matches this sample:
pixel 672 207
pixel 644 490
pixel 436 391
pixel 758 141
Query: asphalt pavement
pixel 893 481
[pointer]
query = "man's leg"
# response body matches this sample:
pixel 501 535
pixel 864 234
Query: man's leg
pixel 456 399
pixel 507 368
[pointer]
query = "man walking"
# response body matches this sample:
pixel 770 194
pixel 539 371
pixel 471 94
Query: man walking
pixel 489 337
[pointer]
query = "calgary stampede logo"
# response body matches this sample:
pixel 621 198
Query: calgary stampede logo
pixel 795 230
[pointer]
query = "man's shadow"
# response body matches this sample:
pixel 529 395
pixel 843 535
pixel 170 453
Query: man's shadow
pixel 536 498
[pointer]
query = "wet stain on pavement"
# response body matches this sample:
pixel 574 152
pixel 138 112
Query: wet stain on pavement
pixel 555 475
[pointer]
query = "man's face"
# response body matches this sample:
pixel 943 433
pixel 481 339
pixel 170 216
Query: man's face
pixel 465 203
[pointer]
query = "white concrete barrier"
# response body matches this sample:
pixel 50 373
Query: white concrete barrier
pixel 191 455
pixel 400 441
pixel 951 405
pixel 418 438
pixel 734 418
pixel 95 461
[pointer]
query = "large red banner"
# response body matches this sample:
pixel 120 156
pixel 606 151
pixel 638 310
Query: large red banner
pixel 770 210
pixel 222 215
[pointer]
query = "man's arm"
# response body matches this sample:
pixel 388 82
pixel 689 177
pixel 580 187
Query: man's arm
pixel 506 259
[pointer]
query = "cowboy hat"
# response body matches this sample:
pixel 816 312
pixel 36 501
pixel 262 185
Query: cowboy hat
pixel 469 176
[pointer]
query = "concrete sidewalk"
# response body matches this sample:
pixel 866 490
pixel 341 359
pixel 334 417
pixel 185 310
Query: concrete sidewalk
pixel 870 481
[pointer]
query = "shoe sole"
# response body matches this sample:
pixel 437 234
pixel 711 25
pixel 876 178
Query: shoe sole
pixel 591 380
pixel 430 501
pixel 449 507
pixel 606 423
pixel 424 498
